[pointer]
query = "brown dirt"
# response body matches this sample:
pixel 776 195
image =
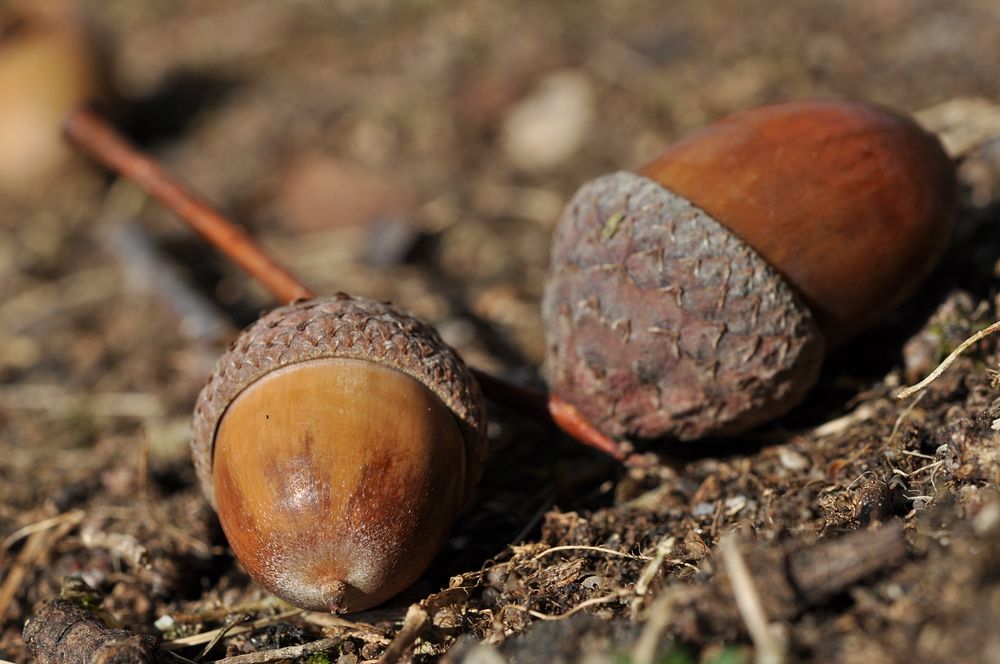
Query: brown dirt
pixel 869 528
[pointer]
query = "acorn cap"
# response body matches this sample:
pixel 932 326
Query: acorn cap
pixel 663 324
pixel 345 327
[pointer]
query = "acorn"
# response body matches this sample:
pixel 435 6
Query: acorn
pixel 50 63
pixel 699 297
pixel 338 440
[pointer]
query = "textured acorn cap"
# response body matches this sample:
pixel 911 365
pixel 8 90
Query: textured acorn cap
pixel 663 324
pixel 345 327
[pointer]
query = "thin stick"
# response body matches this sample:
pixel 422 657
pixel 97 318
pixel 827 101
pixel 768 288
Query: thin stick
pixel 593 601
pixel 649 572
pixel 220 635
pixel 287 653
pixel 414 623
pixel 948 361
pixel 205 637
pixel 91 133
pixel 87 130
pixel 595 549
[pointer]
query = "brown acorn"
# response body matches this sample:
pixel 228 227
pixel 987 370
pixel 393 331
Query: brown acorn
pixel 697 298
pixel 338 439
pixel 50 63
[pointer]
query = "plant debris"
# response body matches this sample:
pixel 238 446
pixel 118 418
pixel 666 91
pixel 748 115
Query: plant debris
pixel 858 528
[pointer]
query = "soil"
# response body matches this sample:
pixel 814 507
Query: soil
pixel 376 148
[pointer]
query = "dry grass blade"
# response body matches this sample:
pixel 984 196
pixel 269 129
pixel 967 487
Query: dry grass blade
pixel 289 653
pixel 596 549
pixel 593 601
pixel 206 637
pixel 33 549
pixel 902 418
pixel 39 542
pixel 948 361
pixel 769 648
pixel 331 621
pixel 649 572
pixel 418 617
pixel 76 516
pixel 233 623
pixel 663 549
pixel 221 613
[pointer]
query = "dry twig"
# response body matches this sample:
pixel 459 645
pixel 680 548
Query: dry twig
pixel 413 624
pixel 231 624
pixel 649 572
pixel 596 549
pixel 829 568
pixel 62 632
pixel 205 637
pixel 418 616
pixel 593 601
pixel 289 653
pixel 902 418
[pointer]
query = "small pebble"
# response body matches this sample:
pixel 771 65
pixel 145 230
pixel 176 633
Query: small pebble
pixel 792 460
pixel 548 127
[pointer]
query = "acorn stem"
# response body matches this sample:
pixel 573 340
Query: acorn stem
pixel 92 134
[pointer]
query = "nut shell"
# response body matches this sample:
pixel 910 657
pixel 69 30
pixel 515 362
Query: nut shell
pixel 663 324
pixel 851 203
pixel 346 327
pixel 337 480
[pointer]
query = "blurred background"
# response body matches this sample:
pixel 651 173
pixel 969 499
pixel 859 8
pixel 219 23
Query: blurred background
pixel 418 152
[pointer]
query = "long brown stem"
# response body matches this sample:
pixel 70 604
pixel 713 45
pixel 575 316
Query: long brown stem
pixel 94 135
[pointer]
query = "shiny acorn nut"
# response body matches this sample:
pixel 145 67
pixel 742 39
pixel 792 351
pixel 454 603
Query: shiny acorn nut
pixel 338 439
pixel 852 203
pixel 698 298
